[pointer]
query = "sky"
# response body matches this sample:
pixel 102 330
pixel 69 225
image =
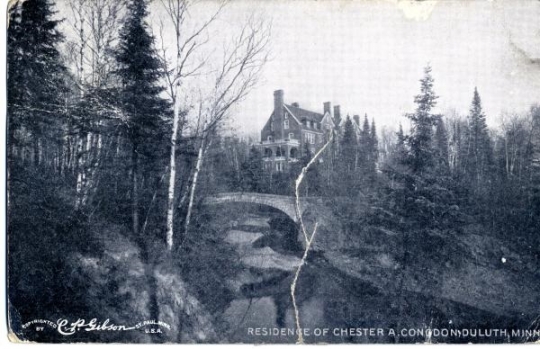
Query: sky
pixel 368 56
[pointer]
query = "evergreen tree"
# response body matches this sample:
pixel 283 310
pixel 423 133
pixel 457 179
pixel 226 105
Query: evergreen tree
pixel 479 153
pixel 348 147
pixel 426 188
pixel 253 172
pixel 365 128
pixel 374 141
pixel 140 72
pixel 423 120
pixel 441 147
pixel 144 108
pixel 36 87
pixel 364 148
pixel 347 180
pixel 423 201
pixel 394 164
pixel 374 148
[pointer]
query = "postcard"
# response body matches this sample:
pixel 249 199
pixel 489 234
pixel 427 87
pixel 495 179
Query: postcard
pixel 242 171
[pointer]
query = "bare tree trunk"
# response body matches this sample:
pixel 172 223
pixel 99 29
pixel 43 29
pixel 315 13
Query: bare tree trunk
pixel 186 45
pixel 172 172
pixel 80 174
pixel 90 183
pixel 200 159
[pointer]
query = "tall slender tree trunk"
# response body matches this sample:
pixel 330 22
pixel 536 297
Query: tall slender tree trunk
pixel 172 171
pixel 80 171
pixel 198 166
pixel 93 163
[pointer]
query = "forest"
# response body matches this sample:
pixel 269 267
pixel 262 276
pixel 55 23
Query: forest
pixel 113 145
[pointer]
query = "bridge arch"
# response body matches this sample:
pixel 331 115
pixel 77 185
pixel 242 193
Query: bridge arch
pixel 285 204
pixel 312 211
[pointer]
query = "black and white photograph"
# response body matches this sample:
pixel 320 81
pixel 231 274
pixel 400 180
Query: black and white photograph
pixel 272 172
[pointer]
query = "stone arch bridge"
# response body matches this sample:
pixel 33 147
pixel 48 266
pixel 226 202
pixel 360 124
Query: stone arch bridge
pixel 312 210
pixel 285 204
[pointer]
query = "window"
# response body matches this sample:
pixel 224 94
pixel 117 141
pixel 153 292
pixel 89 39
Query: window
pixel 286 124
pixel 286 116
pixel 310 138
pixel 293 153
pixel 271 126
pixel 269 138
pixel 291 135
pixel 279 166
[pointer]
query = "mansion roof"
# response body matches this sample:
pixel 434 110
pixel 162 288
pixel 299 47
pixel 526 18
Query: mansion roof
pixel 302 114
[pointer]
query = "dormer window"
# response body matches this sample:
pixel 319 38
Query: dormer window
pixel 286 124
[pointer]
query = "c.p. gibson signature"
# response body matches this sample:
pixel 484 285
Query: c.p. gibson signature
pixel 67 328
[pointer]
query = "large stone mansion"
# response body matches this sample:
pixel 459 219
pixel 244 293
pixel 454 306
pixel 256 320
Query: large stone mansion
pixel 291 129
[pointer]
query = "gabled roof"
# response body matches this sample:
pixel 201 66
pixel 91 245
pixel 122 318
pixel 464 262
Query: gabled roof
pixel 301 114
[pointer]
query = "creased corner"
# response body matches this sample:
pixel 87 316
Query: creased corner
pixel 10 6
pixel 13 338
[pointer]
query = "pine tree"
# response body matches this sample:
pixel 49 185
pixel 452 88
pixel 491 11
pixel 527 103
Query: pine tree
pixel 374 148
pixel 348 146
pixel 140 71
pixel 364 148
pixel 479 153
pixel 145 110
pixel 423 120
pixel 422 201
pixel 441 147
pixel 430 202
pixel 427 188
pixel 347 181
pixel 253 172
pixel 36 86
pixel 374 141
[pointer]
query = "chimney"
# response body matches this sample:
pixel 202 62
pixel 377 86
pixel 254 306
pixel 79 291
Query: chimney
pixel 357 119
pixel 327 107
pixel 278 104
pixel 337 114
pixel 295 104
